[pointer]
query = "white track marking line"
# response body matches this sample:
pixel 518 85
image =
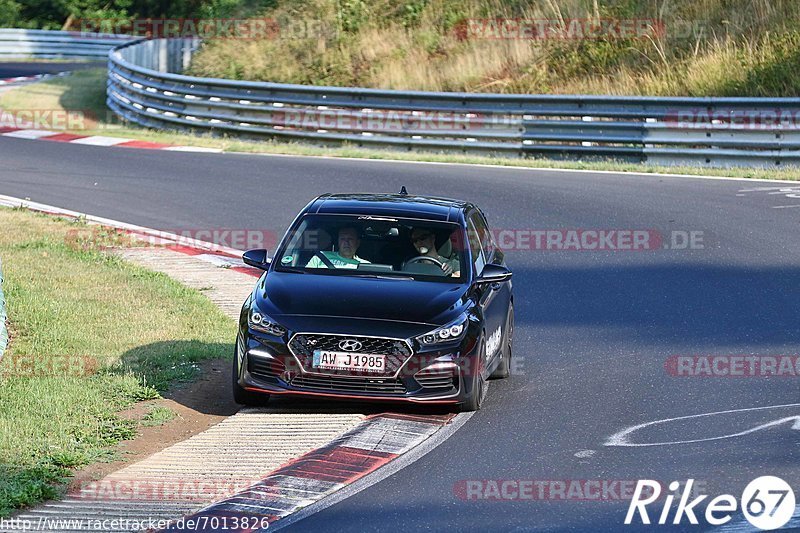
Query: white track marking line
pixel 218 261
pixel 621 438
pixel 199 149
pixel 99 140
pixel 30 134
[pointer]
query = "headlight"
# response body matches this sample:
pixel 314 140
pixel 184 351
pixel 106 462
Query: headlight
pixel 449 333
pixel 261 322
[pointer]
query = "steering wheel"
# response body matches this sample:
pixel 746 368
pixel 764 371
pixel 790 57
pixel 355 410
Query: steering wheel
pixel 421 258
pixel 325 261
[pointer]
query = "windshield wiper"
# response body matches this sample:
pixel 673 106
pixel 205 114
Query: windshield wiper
pixel 296 270
pixel 379 276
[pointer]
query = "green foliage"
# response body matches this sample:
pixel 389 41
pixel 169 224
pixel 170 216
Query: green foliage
pixel 776 72
pixel 9 13
pixel 54 14
pixel 412 12
pixel 218 8
pixel 352 15
pixel 157 416
pixel 20 486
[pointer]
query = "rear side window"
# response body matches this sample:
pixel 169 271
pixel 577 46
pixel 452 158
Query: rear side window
pixel 475 247
pixel 482 237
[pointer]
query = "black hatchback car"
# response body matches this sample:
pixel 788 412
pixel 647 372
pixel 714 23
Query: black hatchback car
pixel 378 297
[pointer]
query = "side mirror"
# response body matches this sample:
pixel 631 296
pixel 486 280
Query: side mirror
pixel 494 274
pixel 256 258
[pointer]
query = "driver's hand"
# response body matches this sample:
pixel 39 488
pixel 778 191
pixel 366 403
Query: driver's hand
pixel 447 269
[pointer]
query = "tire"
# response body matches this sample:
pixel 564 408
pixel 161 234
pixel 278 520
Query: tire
pixel 241 395
pixel 503 370
pixel 475 400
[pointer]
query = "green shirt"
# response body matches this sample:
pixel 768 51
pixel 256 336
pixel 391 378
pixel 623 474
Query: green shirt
pixel 337 260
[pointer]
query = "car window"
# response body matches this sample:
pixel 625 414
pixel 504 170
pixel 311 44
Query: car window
pixel 484 238
pixel 475 247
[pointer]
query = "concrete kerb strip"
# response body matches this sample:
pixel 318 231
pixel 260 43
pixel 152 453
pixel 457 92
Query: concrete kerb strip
pixel 268 462
pixel 19 80
pixel 374 443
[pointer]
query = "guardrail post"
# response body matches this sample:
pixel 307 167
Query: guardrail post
pixel 163 55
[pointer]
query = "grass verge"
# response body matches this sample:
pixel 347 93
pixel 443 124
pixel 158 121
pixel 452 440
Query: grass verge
pixel 157 416
pixel 90 335
pixel 83 93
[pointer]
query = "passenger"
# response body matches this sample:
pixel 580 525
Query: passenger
pixel 424 242
pixel 345 256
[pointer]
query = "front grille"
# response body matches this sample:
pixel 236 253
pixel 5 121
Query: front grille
pixel 440 380
pixel 342 384
pixel 303 345
pixel 265 368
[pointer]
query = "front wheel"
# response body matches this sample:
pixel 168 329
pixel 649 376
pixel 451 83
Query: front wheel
pixel 241 395
pixel 503 369
pixel 475 399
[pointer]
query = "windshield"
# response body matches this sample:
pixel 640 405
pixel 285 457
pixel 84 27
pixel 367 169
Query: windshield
pixel 375 246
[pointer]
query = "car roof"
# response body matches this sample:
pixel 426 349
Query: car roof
pixel 396 205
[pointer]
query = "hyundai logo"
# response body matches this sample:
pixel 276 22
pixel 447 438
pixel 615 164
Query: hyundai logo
pixel 350 345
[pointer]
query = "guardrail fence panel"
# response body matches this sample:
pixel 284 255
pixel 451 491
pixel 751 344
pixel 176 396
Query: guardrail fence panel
pixel 42 44
pixel 146 87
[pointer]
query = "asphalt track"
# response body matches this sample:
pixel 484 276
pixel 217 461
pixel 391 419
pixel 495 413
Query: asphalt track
pixel 594 328
pixel 13 69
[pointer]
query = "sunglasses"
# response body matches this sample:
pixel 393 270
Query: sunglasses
pixel 424 237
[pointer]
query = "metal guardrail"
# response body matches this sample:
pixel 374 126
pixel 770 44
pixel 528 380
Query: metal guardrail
pixel 145 87
pixel 3 329
pixel 44 44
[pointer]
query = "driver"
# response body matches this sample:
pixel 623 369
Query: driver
pixel 424 241
pixel 346 257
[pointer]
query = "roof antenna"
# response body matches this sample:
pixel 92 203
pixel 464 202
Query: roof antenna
pixel 403 191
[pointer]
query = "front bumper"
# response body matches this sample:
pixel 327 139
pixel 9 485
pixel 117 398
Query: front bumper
pixel 429 377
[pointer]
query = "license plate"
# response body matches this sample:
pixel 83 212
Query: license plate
pixel 327 360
